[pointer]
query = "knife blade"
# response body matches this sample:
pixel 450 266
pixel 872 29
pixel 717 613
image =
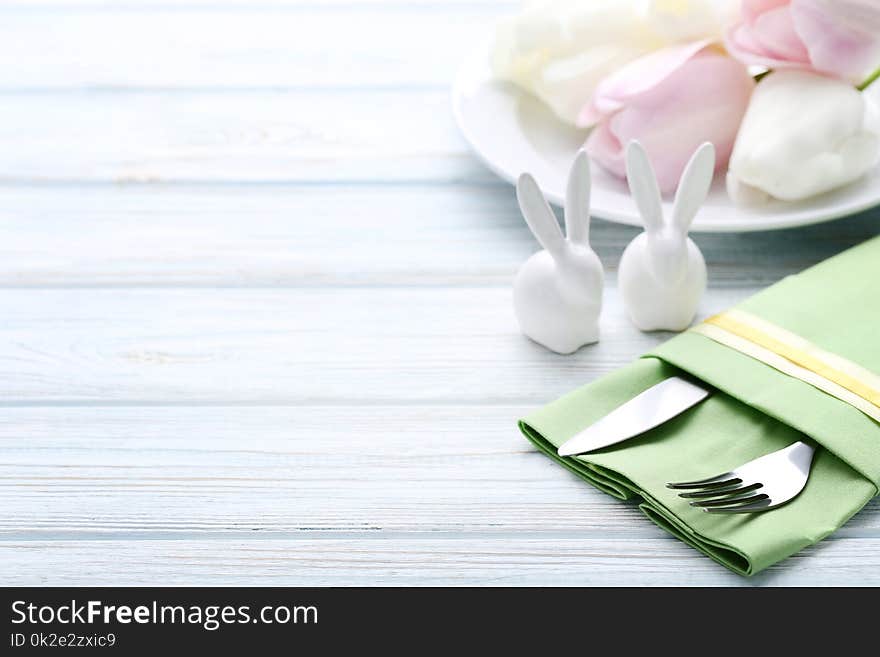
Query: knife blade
pixel 651 408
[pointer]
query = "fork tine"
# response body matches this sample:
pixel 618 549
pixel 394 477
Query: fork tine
pixel 726 479
pixel 746 508
pixel 776 478
pixel 716 492
pixel 731 502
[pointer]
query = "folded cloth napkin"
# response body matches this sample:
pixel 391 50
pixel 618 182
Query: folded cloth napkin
pixel 797 361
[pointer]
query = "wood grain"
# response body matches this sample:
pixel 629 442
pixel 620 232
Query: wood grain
pixel 377 5
pixel 330 235
pixel 418 345
pixel 238 47
pixel 377 137
pixel 399 560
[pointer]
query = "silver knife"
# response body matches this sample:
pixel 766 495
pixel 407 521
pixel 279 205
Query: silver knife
pixel 646 410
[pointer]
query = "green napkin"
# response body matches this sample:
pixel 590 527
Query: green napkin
pixel 756 410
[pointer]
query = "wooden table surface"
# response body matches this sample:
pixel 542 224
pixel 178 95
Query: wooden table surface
pixel 256 316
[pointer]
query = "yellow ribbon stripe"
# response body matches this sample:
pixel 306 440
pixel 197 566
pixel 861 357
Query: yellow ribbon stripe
pixel 770 343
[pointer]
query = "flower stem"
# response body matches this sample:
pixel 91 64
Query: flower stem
pixel 871 79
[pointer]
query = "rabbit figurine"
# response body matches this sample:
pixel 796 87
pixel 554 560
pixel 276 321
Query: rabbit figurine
pixel 662 273
pixel 557 293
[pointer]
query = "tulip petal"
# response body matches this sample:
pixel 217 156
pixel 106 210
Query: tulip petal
pixel 804 134
pixel 606 150
pixel 842 37
pixel 767 37
pixel 835 37
pixel 565 84
pixel 775 31
pixel 636 78
pixel 703 100
pixel 682 21
pixel 752 9
pixel 558 50
pixel 741 43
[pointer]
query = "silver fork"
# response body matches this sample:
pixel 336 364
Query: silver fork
pixel 761 484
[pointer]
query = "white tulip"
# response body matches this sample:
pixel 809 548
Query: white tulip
pixel 681 21
pixel 803 134
pixel 559 50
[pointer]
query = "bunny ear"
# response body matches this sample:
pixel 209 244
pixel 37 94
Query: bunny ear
pixel 538 214
pixel 643 186
pixel 693 186
pixel 577 200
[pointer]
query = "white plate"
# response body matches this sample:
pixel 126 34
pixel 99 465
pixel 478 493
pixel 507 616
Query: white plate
pixel 513 132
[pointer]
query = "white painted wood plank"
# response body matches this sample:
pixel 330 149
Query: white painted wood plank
pixel 209 47
pixel 293 346
pixel 266 236
pixel 260 137
pixel 226 472
pixel 311 560
pixel 378 5
pixel 316 235
pixel 72 472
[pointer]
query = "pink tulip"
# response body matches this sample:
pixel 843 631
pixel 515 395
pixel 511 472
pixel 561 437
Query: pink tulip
pixel 672 101
pixel 840 38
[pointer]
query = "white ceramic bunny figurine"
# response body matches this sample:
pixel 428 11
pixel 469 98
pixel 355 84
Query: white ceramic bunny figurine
pixel 662 273
pixel 557 294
